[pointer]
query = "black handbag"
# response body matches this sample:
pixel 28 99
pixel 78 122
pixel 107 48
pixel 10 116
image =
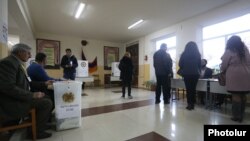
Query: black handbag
pixel 180 72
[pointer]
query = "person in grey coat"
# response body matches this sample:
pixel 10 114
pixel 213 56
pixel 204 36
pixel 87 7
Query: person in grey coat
pixel 236 66
pixel 163 71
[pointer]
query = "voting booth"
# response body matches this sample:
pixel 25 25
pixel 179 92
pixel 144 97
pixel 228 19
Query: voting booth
pixel 67 104
pixel 115 69
pixel 83 69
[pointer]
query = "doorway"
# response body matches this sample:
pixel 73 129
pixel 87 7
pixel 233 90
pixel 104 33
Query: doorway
pixel 134 51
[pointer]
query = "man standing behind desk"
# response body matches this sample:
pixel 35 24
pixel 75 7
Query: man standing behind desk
pixel 69 64
pixel 15 98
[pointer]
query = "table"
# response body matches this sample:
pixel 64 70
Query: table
pixel 85 79
pixel 114 78
pixel 210 86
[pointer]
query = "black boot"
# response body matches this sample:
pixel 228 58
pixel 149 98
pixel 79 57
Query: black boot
pixel 236 111
pixel 243 105
pixel 190 107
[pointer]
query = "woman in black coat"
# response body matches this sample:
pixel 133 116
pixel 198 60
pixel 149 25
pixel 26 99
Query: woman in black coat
pixel 126 68
pixel 190 64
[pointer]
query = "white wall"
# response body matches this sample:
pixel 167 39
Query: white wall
pixel 91 50
pixel 190 30
pixel 21 28
pixel 185 31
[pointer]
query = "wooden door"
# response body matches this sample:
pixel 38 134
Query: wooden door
pixel 134 51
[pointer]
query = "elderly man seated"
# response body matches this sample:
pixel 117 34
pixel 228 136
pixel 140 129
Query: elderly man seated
pixel 16 99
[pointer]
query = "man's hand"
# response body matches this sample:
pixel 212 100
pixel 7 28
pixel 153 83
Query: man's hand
pixel 68 66
pixel 37 95
pixel 49 82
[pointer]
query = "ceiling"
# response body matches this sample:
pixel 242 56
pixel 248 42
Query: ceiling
pixel 108 20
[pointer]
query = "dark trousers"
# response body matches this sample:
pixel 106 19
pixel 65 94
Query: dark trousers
pixel 69 75
pixel 43 108
pixel 190 83
pixel 163 83
pixel 50 94
pixel 124 85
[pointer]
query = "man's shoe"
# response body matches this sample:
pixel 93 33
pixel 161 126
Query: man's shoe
pixel 130 97
pixel 190 107
pixel 166 102
pixel 236 119
pixel 43 135
pixel 157 102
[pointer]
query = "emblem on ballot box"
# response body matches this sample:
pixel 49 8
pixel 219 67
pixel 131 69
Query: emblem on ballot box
pixel 83 69
pixel 68 97
pixel 83 64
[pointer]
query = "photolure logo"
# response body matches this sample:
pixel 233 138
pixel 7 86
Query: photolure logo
pixel 221 132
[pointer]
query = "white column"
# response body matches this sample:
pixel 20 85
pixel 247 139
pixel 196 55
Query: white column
pixel 3 28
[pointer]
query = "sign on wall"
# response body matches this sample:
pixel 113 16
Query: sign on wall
pixel 3 32
pixel 52 50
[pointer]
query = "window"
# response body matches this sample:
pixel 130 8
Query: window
pixel 213 49
pixel 228 27
pixel 171 44
pixel 216 36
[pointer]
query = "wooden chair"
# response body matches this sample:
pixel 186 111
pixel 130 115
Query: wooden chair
pixel 24 124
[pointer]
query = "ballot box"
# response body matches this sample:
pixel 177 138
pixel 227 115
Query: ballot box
pixel 67 104
pixel 115 69
pixel 83 69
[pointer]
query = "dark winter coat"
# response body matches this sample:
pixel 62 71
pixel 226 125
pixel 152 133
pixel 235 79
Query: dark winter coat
pixel 126 67
pixel 66 61
pixel 162 63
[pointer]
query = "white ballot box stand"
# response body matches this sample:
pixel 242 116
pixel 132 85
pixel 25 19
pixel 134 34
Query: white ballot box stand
pixel 67 104
pixel 115 69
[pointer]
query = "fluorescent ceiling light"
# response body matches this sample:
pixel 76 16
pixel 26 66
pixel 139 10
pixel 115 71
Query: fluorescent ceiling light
pixel 79 10
pixel 135 24
pixel 10 43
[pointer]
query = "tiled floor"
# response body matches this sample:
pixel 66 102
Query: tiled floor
pixel 108 117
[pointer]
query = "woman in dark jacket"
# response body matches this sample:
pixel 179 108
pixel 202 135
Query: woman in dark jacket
pixel 190 64
pixel 126 68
